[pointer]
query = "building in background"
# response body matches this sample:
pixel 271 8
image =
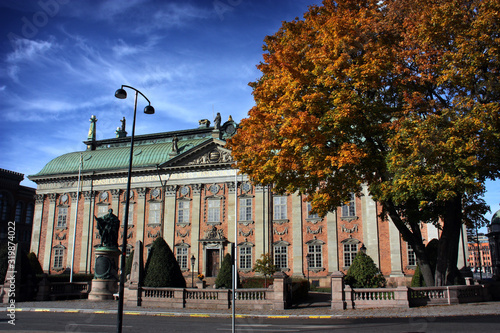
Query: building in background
pixel 185 190
pixel 17 205
pixel 479 254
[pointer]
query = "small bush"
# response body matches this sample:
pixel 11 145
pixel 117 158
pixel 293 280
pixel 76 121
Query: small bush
pixel 418 279
pixel 257 282
pixel 162 269
pixel 363 273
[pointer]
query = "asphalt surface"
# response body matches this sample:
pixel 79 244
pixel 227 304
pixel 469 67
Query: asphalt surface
pixel 317 306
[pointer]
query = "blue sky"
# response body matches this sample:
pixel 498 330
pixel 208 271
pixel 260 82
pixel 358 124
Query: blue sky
pixel 62 61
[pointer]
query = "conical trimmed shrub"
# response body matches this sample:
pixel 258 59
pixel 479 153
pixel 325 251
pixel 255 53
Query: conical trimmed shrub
pixel 162 269
pixel 363 273
pixel 224 278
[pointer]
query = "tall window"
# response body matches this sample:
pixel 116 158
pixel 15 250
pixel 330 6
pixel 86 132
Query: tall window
pixel 130 220
pixel 245 209
pixel 309 214
pixel 29 213
pixel 62 216
pixel 58 257
pixel 182 257
pixel 183 211
pixel 154 212
pixel 281 257
pixel 245 257
pixel 103 210
pixel 412 258
pixel 350 251
pixel 19 211
pixel 4 207
pixel 279 208
pixel 213 210
pixel 349 208
pixel 315 258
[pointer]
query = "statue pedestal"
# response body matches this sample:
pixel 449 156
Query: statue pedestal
pixel 105 282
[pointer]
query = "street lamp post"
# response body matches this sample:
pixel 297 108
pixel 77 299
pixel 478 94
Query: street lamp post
pixel 193 260
pixel 122 94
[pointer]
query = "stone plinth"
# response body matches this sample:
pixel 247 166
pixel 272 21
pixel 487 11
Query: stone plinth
pixel 105 282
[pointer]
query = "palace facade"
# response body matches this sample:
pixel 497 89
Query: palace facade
pixel 185 190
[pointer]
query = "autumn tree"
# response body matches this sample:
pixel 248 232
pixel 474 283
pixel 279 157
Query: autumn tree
pixel 399 95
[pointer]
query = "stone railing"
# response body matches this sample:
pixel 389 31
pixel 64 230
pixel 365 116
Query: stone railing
pixel 275 297
pixel 62 290
pixel 343 297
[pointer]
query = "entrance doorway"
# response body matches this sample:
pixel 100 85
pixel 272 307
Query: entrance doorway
pixel 213 260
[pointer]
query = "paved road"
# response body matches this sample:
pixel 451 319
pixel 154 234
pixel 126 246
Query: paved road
pixel 92 322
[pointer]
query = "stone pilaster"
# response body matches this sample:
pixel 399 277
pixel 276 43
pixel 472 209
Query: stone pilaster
pixel 231 218
pixel 332 247
pixel 298 247
pixel 37 224
pixel 86 235
pixel 195 223
pixel 71 226
pixel 395 252
pixel 169 215
pixel 115 201
pixel 370 226
pixel 50 232
pixel 261 234
pixel 141 216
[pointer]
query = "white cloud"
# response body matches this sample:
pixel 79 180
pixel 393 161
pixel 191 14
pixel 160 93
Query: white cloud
pixel 28 50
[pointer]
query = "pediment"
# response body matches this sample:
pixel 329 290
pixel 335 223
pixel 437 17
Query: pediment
pixel 210 154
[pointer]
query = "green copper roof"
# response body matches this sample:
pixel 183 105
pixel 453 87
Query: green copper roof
pixel 116 158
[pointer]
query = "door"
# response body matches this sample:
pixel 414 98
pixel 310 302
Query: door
pixel 212 262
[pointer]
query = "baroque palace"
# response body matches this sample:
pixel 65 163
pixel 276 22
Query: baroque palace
pixel 185 190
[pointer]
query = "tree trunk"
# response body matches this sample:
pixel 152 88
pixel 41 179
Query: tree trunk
pixel 446 267
pixel 414 238
pixel 424 264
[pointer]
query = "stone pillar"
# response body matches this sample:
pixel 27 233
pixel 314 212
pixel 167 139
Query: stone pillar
pixel 280 289
pixel 133 293
pixel 401 297
pixel 105 282
pixel 338 295
pixel 49 235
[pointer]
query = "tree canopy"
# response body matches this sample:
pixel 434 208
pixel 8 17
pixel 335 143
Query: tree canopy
pixel 400 95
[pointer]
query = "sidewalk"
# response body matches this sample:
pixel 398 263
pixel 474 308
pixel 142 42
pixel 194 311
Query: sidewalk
pixel 317 307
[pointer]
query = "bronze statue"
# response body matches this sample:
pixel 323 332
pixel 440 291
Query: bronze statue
pixel 217 121
pixel 108 227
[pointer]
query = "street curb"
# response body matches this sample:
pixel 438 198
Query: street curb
pixel 271 316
